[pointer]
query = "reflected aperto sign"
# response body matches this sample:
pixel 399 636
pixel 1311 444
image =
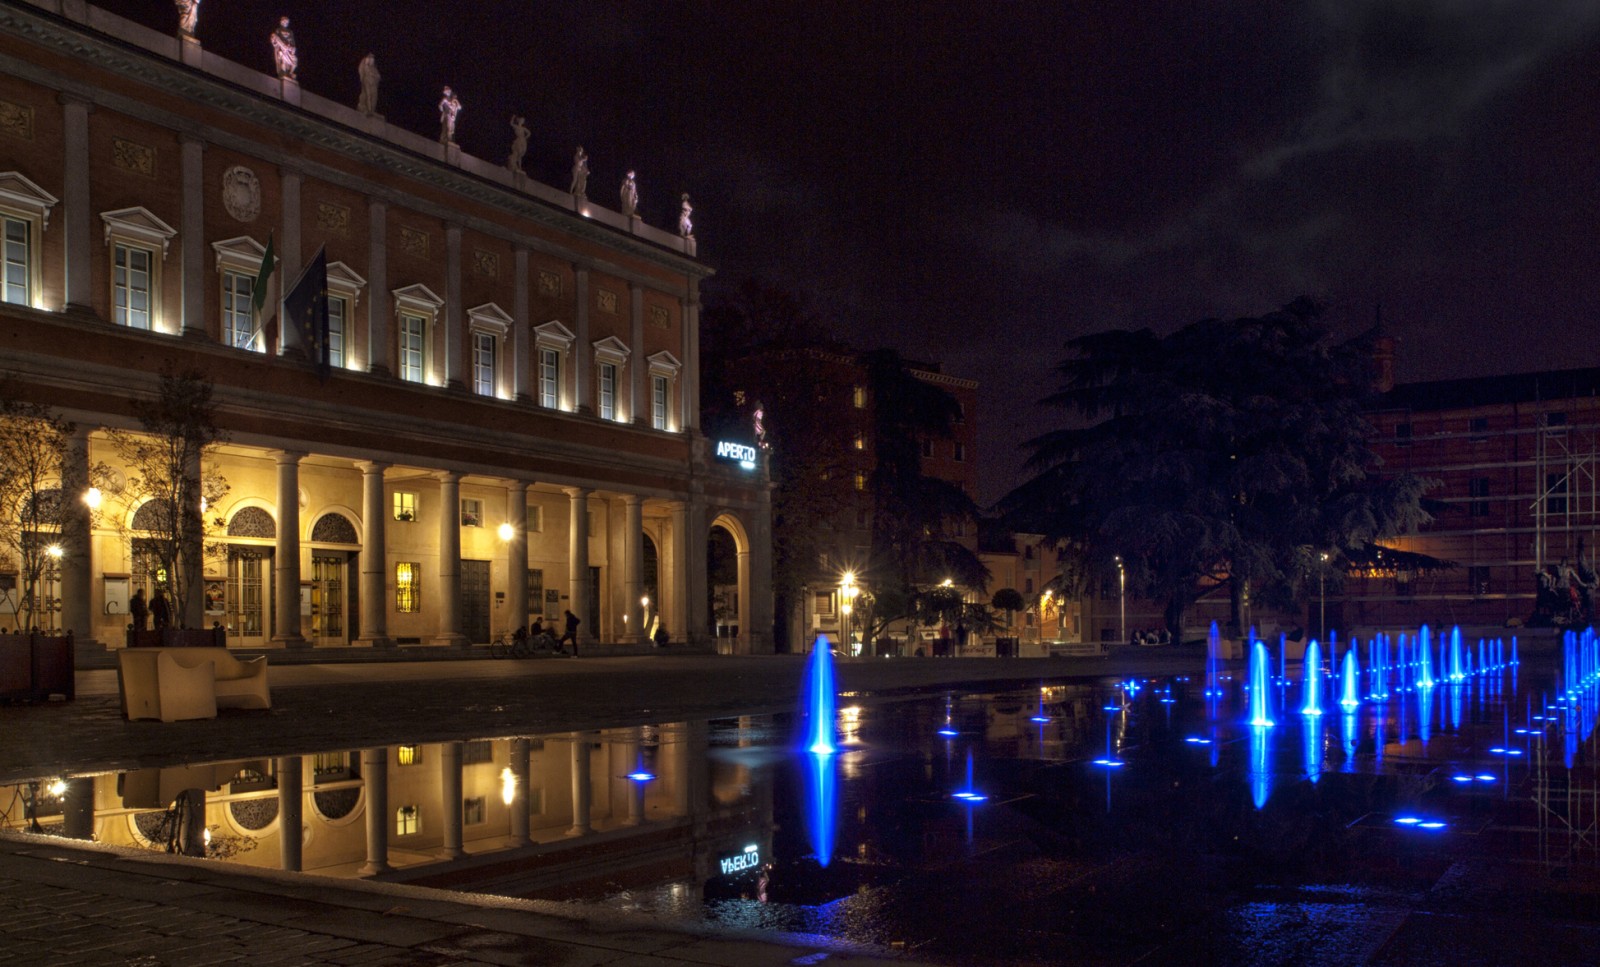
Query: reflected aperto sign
pixel 739 862
pixel 741 453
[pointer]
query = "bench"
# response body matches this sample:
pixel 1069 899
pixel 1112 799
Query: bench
pixel 174 684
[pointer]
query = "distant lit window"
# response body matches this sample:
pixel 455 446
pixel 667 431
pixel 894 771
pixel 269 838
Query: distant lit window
pixel 861 480
pixel 859 442
pixel 405 505
pixel 16 281
pixel 407 587
pixel 472 811
pixel 238 312
pixel 549 378
pixel 132 288
pixel 338 311
pixel 483 363
pixel 407 821
pixel 413 354
pixel 607 391
pixel 477 751
pixel 858 397
pixel 658 402
pixel 471 512
pixel 408 755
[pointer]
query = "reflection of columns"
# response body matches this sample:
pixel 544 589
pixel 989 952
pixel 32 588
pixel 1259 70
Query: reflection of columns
pixel 520 831
pixel 583 357
pixel 286 557
pixel 455 371
pixel 77 808
pixel 633 564
pixel 75 198
pixel 380 352
pixel 521 330
pixel 517 555
pixel 450 559
pixel 450 796
pixel 375 782
pixel 677 594
pixel 633 762
pixel 374 628
pixel 291 821
pixel 578 554
pixel 580 785
pixel 695 563
pixel 75 550
pixel 192 236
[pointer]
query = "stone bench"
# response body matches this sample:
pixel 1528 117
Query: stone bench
pixel 173 684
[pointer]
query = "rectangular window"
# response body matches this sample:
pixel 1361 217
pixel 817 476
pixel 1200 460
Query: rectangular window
pixel 405 505
pixel 238 315
pixel 477 751
pixel 331 767
pixel 472 811
pixel 861 480
pixel 1402 434
pixel 408 587
pixel 858 397
pixel 1478 579
pixel 549 378
pixel 471 512
pixel 1478 426
pixel 1555 489
pixel 658 402
pixel 412 331
pixel 338 310
pixel 407 821
pixel 1027 585
pixel 1479 490
pixel 961 413
pixel 483 353
pixel 535 521
pixel 961 453
pixel 608 391
pixel 16 280
pixel 1555 420
pixel 130 286
pixel 408 755
pixel 824 603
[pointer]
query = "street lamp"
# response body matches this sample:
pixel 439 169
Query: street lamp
pixel 1122 600
pixel 1322 598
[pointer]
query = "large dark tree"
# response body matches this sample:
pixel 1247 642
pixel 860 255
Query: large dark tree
pixel 1231 452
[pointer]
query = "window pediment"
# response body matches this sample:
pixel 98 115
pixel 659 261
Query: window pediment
pixel 241 254
pixel 417 298
pixel 553 335
pixel 19 191
pixel 490 318
pixel 664 364
pixel 344 282
pixel 141 226
pixel 611 350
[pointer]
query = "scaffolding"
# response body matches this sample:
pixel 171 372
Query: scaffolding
pixel 1566 483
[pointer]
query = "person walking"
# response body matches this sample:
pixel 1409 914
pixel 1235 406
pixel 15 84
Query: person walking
pixel 138 610
pixel 571 634
pixel 160 610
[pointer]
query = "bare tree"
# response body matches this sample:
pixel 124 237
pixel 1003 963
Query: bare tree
pixel 166 481
pixel 33 444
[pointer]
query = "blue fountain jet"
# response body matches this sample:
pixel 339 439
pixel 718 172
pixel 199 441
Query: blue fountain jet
pixel 1350 686
pixel 1260 673
pixel 820 702
pixel 1312 673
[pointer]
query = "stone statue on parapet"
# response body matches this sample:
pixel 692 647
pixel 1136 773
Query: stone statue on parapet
pixel 580 173
pixel 519 143
pixel 368 71
pixel 188 16
pixel 449 110
pixel 685 226
pixel 630 196
pixel 284 55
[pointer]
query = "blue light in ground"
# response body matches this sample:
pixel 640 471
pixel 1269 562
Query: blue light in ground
pixel 1431 825
pixel 1039 718
pixel 970 797
pixel 641 776
pixel 1485 777
pixel 1109 763
pixel 1462 778
pixel 1197 740
pixel 1111 708
pixel 1407 820
pixel 948 732
pixel 1499 751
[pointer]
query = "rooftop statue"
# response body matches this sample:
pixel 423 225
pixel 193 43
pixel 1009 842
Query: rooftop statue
pixel 519 143
pixel 685 226
pixel 580 173
pixel 368 104
pixel 188 16
pixel 449 110
pixel 630 196
pixel 284 55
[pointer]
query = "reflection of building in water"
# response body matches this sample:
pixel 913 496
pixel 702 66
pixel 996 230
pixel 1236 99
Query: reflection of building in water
pixel 517 816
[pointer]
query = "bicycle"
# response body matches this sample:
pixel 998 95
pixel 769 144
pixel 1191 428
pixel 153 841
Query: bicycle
pixel 510 645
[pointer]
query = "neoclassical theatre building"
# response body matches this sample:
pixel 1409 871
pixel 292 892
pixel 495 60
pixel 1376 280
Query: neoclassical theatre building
pixel 510 426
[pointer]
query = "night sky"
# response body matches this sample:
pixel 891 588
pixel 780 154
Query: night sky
pixel 977 183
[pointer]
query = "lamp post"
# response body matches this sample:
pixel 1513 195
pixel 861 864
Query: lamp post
pixel 1322 599
pixel 1122 600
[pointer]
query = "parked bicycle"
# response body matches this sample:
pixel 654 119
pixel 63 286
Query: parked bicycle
pixel 513 645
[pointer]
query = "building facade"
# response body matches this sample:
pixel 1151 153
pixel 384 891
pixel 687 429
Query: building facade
pixel 509 428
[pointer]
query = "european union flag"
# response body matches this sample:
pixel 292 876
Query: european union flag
pixel 306 309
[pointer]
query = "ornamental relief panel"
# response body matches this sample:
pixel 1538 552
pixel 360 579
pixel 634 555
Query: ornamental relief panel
pixel 659 317
pixel 549 284
pixel 16 120
pixel 485 264
pixel 134 157
pixel 414 242
pixel 241 193
pixel 334 219
pixel 606 300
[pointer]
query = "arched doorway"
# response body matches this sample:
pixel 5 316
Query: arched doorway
pixel 249 592
pixel 727 585
pixel 335 546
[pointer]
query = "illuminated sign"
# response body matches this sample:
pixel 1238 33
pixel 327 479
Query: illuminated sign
pixel 739 862
pixel 741 453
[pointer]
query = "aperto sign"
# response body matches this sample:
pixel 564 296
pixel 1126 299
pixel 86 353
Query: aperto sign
pixel 742 454
pixel 749 859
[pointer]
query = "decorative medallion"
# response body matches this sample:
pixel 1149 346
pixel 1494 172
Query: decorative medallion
pixel 659 317
pixel 134 157
pixel 16 120
pixel 414 242
pixel 606 300
pixel 333 218
pixel 549 284
pixel 486 264
pixel 241 193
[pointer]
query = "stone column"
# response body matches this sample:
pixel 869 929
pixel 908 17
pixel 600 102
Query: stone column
pixel 517 555
pixel 375 782
pixel 580 785
pixel 374 558
pixel 455 369
pixel 633 566
pixel 76 548
pixel 521 834
pixel 677 590
pixel 192 225
pixel 695 564
pixel 450 560
pixel 291 818
pixel 521 347
pixel 450 797
pixel 380 340
pixel 759 591
pixel 689 394
pixel 286 557
pixel 288 254
pixel 77 216
pixel 578 556
pixel 583 352
pixel 638 398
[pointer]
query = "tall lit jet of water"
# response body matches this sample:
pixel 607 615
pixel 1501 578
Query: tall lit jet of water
pixel 1425 674
pixel 1313 679
pixel 820 701
pixel 1350 682
pixel 1457 672
pixel 1260 673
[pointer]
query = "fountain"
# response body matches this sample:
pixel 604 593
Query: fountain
pixel 1312 674
pixel 819 700
pixel 1350 685
pixel 1260 673
pixel 819 697
pixel 1425 646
